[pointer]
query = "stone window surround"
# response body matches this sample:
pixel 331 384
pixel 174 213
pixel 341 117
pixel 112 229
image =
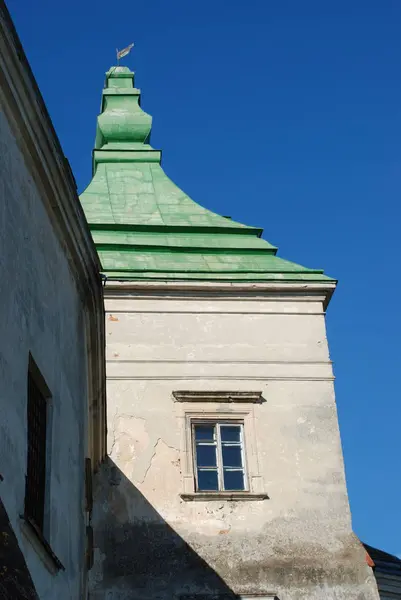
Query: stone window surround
pixel 206 405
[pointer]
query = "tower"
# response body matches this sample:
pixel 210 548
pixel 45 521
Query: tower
pixel 225 477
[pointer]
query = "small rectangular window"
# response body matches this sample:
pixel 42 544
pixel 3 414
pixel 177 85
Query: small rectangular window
pixel 219 463
pixel 36 459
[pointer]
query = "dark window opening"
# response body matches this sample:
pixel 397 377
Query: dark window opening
pixel 35 485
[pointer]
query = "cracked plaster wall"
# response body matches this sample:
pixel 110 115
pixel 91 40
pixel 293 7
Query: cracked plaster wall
pixel 150 543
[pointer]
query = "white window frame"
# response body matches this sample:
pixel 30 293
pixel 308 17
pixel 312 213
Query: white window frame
pixel 209 406
pixel 218 444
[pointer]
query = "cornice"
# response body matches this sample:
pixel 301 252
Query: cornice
pixel 23 103
pixel 218 396
pixel 277 290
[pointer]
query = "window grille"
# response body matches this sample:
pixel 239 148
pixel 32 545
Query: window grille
pixel 219 459
pixel 36 461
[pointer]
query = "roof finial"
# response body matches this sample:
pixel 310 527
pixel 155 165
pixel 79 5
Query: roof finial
pixel 124 52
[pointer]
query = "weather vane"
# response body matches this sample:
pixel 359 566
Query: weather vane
pixel 124 52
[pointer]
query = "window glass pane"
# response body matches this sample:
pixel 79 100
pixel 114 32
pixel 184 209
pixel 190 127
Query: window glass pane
pixel 205 456
pixel 230 433
pixel 204 433
pixel 232 456
pixel 233 480
pixel 208 481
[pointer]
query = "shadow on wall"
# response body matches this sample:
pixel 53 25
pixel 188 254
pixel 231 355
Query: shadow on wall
pixel 138 556
pixel 15 579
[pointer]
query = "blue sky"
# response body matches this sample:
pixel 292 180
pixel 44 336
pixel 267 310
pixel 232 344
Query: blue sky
pixel 282 114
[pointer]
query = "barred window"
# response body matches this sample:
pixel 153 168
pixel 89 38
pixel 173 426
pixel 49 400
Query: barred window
pixel 219 463
pixel 36 459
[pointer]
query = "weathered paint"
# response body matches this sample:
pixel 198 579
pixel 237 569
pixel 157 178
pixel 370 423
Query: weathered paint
pixel 150 542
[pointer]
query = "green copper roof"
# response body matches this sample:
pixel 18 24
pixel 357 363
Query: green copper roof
pixel 145 227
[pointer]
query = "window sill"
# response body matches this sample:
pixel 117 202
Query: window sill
pixel 190 497
pixel 41 545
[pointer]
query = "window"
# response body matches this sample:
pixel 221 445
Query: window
pixel 218 447
pixel 219 463
pixel 35 523
pixel 36 461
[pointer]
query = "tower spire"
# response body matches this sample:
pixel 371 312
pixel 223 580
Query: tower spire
pixel 122 124
pixel 145 227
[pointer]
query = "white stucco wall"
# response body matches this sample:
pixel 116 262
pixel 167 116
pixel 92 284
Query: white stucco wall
pixel 42 313
pixel 298 543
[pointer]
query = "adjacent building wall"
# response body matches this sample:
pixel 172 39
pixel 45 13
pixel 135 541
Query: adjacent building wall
pixel 387 572
pixel 51 311
pixel 152 538
pixel 42 314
